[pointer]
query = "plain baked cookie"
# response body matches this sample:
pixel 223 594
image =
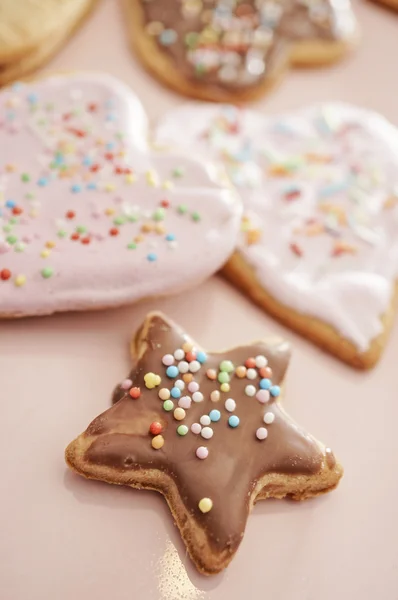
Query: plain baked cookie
pixel 319 241
pixel 90 217
pixel 206 431
pixel 225 51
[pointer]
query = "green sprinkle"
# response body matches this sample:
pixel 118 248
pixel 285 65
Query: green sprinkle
pixel 191 39
pixel 182 430
pixel 132 218
pixel 196 216
pixel 159 214
pixel 182 209
pixel 81 229
pixel 25 177
pixel 132 246
pixel 168 405
pixel 7 228
pixel 119 220
pixel 62 233
pixel 47 272
pixel 11 239
pixel 19 247
pixel 178 172
pixel 13 220
pixel 200 69
pixel 223 377
pixel 227 366
pixel 29 196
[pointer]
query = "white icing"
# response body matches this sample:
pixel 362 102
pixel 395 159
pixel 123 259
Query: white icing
pixel 333 154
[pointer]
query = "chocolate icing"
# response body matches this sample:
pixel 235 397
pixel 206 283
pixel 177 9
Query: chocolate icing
pixel 242 41
pixel 236 460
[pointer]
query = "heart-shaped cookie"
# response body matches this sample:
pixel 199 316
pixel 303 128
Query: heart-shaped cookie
pixel 90 217
pixel 319 241
pixel 233 50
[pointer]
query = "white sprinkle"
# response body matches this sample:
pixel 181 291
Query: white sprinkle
pixel 194 366
pixel 196 428
pixel 261 433
pixel 269 418
pixel 251 373
pixel 183 366
pixel 185 402
pixel 250 390
pixel 215 396
pixel 261 361
pixel 179 354
pixel 230 405
pixel 168 359
pixel 205 420
pixel 207 433
pixel 193 386
pixel 197 396
pixel 179 383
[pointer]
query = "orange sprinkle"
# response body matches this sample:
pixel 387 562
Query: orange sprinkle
pixel 253 236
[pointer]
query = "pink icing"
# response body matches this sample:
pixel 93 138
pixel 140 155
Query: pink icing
pixel 75 163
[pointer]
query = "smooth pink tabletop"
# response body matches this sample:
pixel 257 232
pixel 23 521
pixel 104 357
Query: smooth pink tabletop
pixel 65 538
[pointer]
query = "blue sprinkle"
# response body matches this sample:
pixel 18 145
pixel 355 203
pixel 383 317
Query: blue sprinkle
pixel 170 237
pixel 152 257
pixel 175 392
pixel 87 161
pixel 110 146
pixel 76 187
pixel 233 421
pixel 17 86
pixel 10 204
pixel 265 384
pixel 43 181
pixel 215 415
pixel 10 116
pixel 275 390
pixel 32 98
pixel 172 371
pixel 201 356
pixel 92 186
pixel 168 37
pixel 110 117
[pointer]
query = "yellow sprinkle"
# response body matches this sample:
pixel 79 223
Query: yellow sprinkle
pixel 187 346
pixel 50 244
pixel 167 185
pixel 45 253
pixel 147 227
pixel 20 280
pixel 33 213
pixel 179 414
pixel 151 178
pixel 130 178
pixel 109 187
pixel 158 442
pixel 109 211
pixel 224 387
pixel 151 380
pixel 138 239
pixel 205 505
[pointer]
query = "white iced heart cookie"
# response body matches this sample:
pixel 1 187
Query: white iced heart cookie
pixel 89 216
pixel 319 241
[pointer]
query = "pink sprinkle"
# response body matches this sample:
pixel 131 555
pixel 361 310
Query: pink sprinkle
pixel 27 239
pixel 196 428
pixel 4 247
pixel 168 360
pixel 96 214
pixel 185 402
pixel 262 396
pixel 193 387
pixel 126 384
pixel 202 452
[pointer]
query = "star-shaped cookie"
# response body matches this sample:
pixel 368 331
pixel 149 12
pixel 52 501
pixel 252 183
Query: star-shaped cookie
pixel 207 431
pixel 233 50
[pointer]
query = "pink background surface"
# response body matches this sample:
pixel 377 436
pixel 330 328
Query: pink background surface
pixel 62 537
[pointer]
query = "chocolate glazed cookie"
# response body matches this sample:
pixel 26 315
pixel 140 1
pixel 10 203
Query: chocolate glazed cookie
pixel 226 50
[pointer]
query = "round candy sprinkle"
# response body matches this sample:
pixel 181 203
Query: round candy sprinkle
pixel 196 428
pixel 179 384
pixel 250 390
pixel 269 418
pixel 126 384
pixel 261 433
pixel 261 361
pixel 227 366
pixel 5 274
pixel 230 405
pixel 250 363
pixel 175 392
pixel 193 386
pixel 205 420
pixel 265 372
pixel 197 397
pixel 207 433
pixel 179 354
pixel 187 346
pixel 179 414
pixel 151 380
pixel 241 372
pixel 158 442
pixel 275 390
pixel 182 430
pixel 215 396
pixel 211 374
pixel 172 371
pixel 262 396
pixel 265 384
pixel 251 373
pixel 168 359
pixel 194 366
pixel 185 402
pixel 201 356
pixel 20 280
pixel 223 377
pixel 202 452
pixel 233 421
pixel 168 405
pixel 189 356
pixel 183 366
pixel 135 392
pixel 47 272
pixel 187 377
pixel 215 415
pixel 155 428
pixel 205 505
pixel 164 394
pixel 225 387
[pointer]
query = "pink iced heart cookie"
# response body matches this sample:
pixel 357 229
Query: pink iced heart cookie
pixel 90 217
pixel 319 242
